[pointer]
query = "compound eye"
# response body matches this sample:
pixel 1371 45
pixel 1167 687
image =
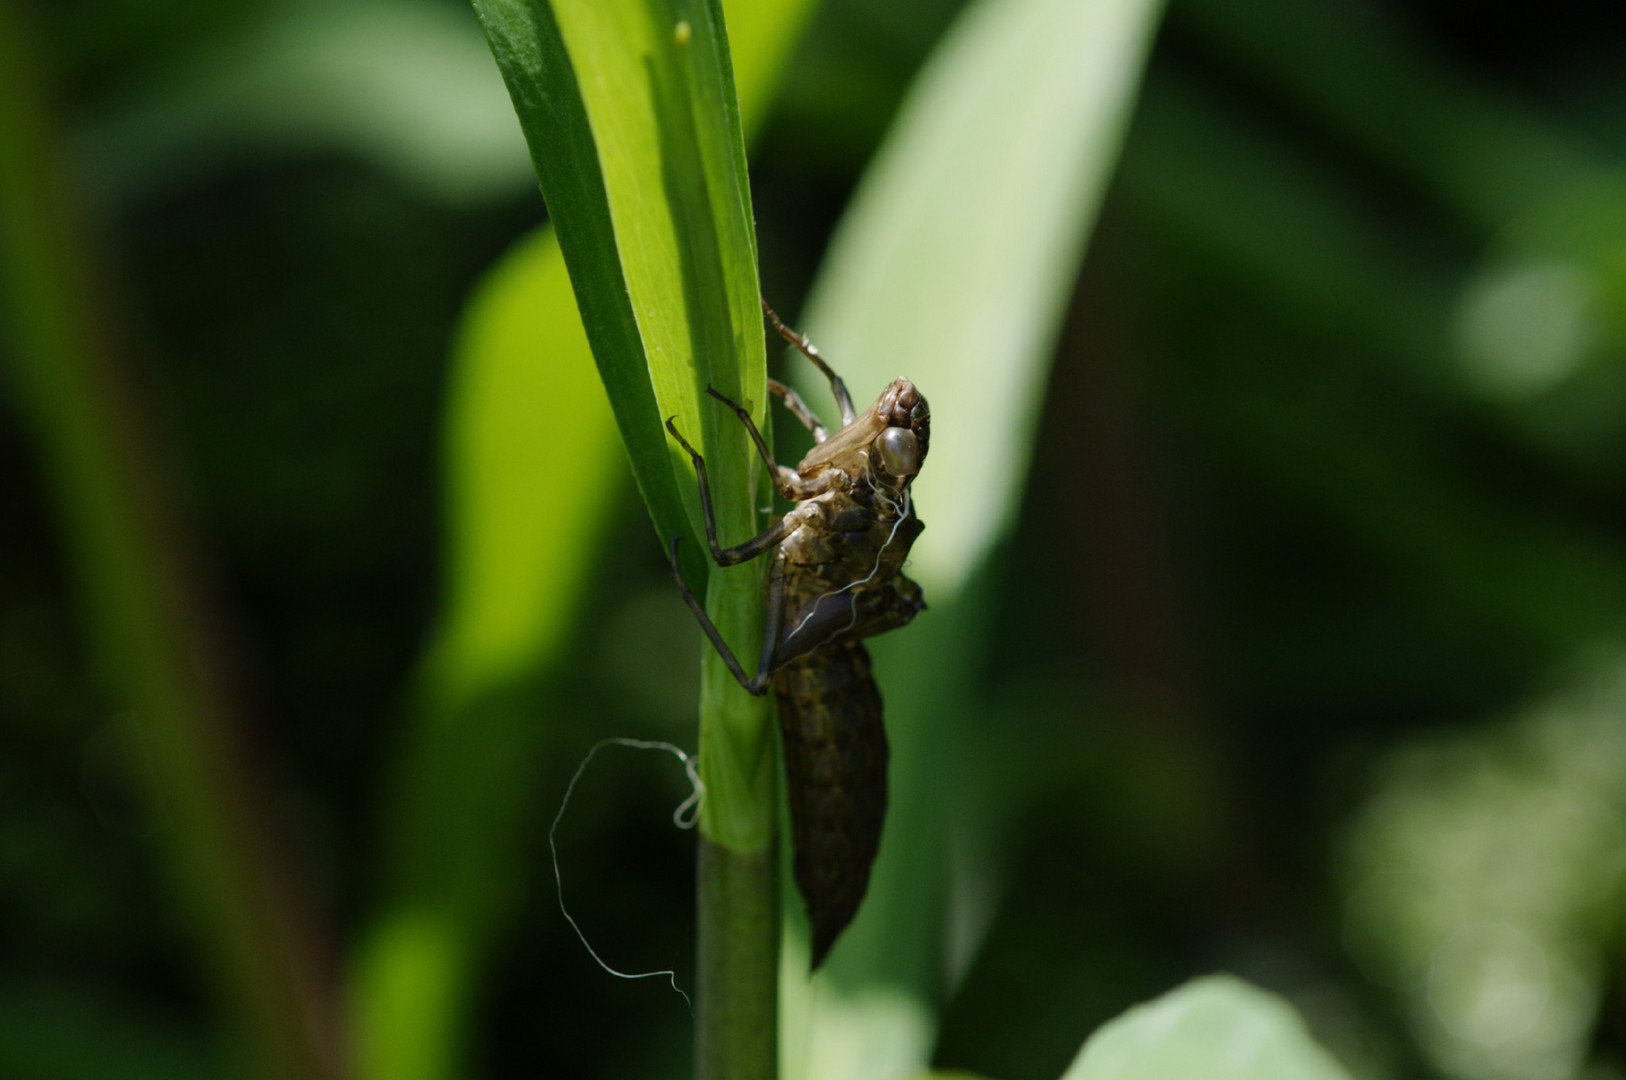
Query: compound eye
pixel 899 453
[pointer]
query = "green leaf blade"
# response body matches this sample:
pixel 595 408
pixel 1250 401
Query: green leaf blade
pixel 630 114
pixel 530 447
pixel 532 475
pixel 952 267
pixel 954 262
pixel 666 129
pixel 657 181
pixel 528 44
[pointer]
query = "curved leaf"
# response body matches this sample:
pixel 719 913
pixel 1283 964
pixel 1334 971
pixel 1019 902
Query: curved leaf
pixel 1214 1028
pixel 953 266
pixel 531 468
pixel 631 115
pixel 959 251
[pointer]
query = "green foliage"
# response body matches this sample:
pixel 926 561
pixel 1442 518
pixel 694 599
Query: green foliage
pixel 406 84
pixel 953 265
pixel 522 528
pixel 632 117
pixel 531 465
pixel 1328 473
pixel 1486 872
pixel 664 263
pixel 527 42
pixel 1217 1028
pixel 956 257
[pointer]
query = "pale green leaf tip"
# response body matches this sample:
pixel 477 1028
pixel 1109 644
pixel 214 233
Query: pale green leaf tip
pixel 1213 1028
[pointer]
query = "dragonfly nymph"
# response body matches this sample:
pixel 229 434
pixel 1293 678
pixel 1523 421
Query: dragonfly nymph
pixel 835 577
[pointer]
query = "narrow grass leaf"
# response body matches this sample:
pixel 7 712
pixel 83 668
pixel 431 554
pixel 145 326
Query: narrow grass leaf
pixel 532 465
pixel 959 251
pixel 630 112
pixel 525 40
pixel 531 469
pixel 952 267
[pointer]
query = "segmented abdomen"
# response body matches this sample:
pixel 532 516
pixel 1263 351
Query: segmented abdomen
pixel 835 758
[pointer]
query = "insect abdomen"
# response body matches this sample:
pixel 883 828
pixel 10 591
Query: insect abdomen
pixel 835 758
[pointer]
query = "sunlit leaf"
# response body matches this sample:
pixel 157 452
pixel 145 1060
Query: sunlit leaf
pixel 631 115
pixel 953 266
pixel 530 449
pixel 959 250
pixel 630 111
pixel 532 467
pixel 1216 1028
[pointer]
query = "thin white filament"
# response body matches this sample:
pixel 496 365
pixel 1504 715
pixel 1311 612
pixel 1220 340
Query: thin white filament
pixel 684 817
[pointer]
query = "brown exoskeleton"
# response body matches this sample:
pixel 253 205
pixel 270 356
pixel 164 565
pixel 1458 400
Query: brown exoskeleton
pixel 835 577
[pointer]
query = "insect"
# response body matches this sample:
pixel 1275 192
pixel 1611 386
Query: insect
pixel 834 578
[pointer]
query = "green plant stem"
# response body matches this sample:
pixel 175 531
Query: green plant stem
pixel 737 874
pixel 736 1022
pixel 150 638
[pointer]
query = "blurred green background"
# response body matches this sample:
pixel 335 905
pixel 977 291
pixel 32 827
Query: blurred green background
pixel 1306 659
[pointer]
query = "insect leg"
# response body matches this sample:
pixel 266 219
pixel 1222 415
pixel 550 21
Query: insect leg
pixel 787 482
pixel 798 408
pixel 809 350
pixel 740 552
pixel 757 684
